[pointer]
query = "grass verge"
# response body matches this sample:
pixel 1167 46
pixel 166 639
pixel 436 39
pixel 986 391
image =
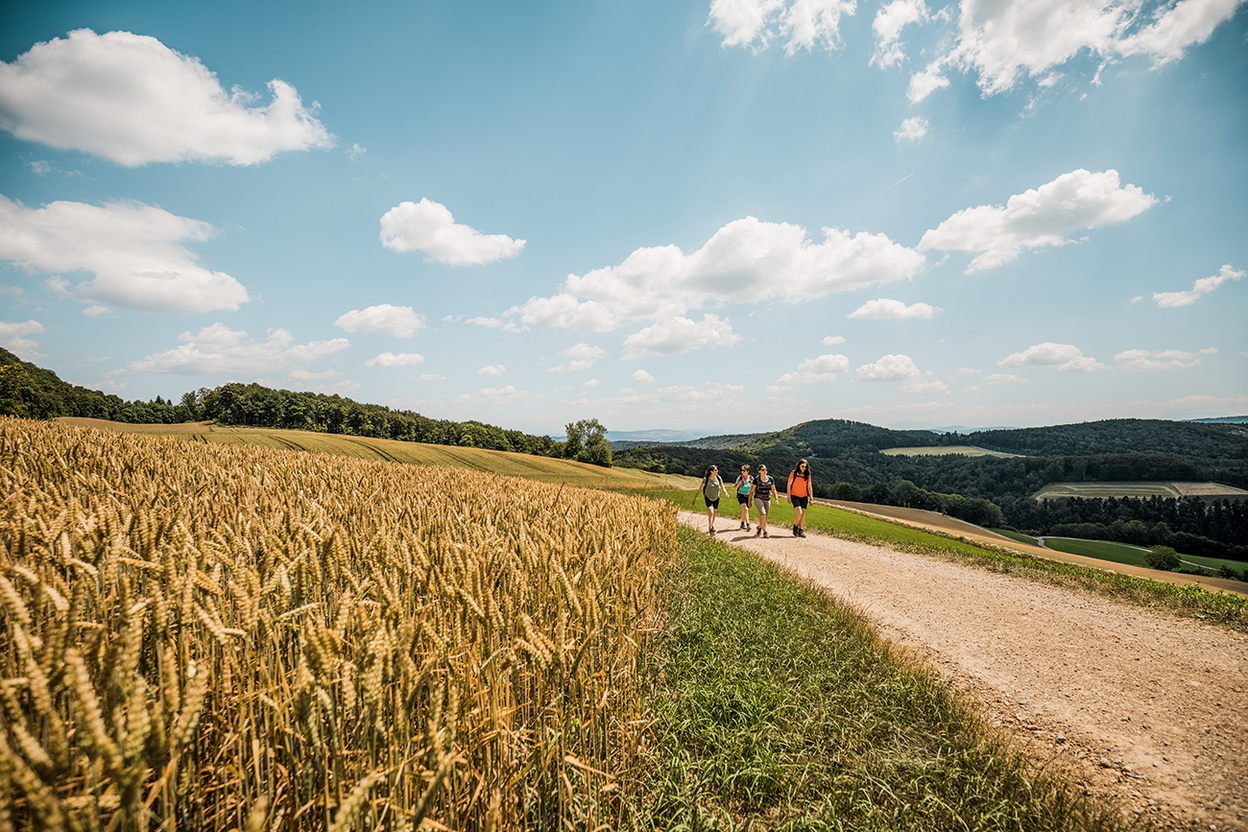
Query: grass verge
pixel 1181 599
pixel 775 708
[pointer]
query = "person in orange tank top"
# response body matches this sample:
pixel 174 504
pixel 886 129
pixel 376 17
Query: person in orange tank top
pixel 800 489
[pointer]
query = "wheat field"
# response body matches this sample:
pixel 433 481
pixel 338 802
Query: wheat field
pixel 231 637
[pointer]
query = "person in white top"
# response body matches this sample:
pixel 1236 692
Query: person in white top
pixel 710 488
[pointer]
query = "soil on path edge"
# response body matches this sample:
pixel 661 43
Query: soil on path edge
pixel 1140 704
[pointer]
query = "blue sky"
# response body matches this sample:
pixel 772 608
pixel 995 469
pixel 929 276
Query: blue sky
pixel 720 217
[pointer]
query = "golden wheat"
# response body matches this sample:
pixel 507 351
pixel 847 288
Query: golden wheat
pixel 232 637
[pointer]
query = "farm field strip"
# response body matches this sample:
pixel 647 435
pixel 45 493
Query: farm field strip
pixel 229 637
pixel 1210 490
pixel 946 450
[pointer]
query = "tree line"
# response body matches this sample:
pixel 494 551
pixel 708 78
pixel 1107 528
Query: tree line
pixel 34 392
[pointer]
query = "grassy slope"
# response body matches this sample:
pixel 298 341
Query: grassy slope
pixel 541 469
pixel 1208 490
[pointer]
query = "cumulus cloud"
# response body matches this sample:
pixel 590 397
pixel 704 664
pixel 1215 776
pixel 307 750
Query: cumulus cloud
pixel 816 370
pixel 1065 357
pixel 1000 42
pixel 642 377
pixel 887 309
pixel 15 337
pixel 389 359
pixel 832 340
pixel 399 321
pixel 429 227
pixel 432 377
pixel 1203 286
pixel 679 335
pixel 889 368
pixel 912 129
pixel 887 26
pixel 1038 218
pixel 133 100
pixel 133 250
pixel 923 388
pixel 746 261
pixel 805 24
pixel 1134 361
pixel 583 357
pixel 492 370
pixel 219 350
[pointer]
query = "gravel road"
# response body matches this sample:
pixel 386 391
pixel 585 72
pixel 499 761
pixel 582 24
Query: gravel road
pixel 1143 705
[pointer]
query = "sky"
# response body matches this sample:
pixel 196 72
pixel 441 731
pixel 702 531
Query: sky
pixel 718 217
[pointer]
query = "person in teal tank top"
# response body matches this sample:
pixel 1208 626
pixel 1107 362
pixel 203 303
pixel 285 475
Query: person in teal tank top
pixel 744 485
pixel 710 488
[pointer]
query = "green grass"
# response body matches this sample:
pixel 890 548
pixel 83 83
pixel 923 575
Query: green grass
pixel 1099 549
pixel 1182 599
pixel 1207 491
pixel 775 708
pixel 944 450
pixel 1016 536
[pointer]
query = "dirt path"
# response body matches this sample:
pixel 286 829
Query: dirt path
pixel 1146 706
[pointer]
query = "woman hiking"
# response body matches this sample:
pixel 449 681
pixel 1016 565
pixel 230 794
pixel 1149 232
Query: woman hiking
pixel 743 485
pixel 764 490
pixel 709 489
pixel 799 489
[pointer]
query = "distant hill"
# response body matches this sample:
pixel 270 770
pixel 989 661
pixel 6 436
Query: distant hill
pixel 1237 420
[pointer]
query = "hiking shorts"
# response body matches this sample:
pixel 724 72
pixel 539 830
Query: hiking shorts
pixel 799 502
pixel 743 499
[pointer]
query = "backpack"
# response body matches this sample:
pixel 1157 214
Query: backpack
pixel 762 490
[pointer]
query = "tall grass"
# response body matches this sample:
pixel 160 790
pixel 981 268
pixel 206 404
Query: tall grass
pixel 231 637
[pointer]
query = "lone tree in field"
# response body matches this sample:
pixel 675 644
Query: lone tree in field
pixel 1163 558
pixel 587 442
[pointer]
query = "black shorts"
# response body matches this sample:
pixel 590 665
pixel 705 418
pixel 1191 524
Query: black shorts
pixel 743 498
pixel 799 502
pixel 712 504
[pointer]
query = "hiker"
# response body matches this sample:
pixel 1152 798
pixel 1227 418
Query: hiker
pixel 743 485
pixel 709 489
pixel 764 489
pixel 799 489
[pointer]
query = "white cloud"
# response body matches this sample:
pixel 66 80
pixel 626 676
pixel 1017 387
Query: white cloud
pixel 832 340
pixel 356 151
pixel 642 377
pixel 1001 40
pixel 889 368
pixel 1203 286
pixel 923 388
pixel 505 394
pixel 1134 361
pixel 746 261
pixel 755 23
pixel 679 335
pixel 1038 218
pixel 14 337
pixel 432 377
pixel 1209 351
pixel 887 309
pixel 912 129
pixel 389 359
pixel 219 350
pixel 492 370
pixel 96 311
pixel 816 370
pixel 488 323
pixel 11 290
pixel 966 371
pixel 1063 356
pixel 593 382
pixel 131 99
pixel 132 248
pixel 887 26
pixel 399 321
pixel 308 375
pixel 583 357
pixel 1006 378
pixel 923 84
pixel 429 227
